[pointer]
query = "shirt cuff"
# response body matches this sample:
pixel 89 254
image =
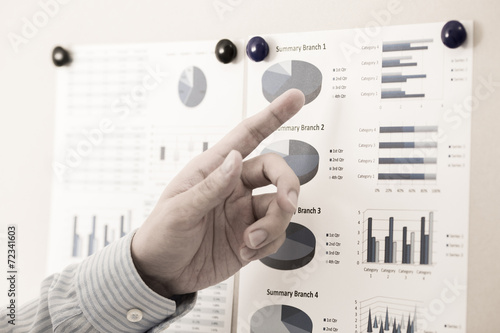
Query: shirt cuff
pixel 114 298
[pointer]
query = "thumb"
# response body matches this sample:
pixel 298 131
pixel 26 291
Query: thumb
pixel 213 190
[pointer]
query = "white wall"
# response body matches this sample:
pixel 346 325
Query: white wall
pixel 27 91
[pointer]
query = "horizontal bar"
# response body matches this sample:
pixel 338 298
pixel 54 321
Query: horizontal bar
pixel 406 176
pixel 409 41
pixel 405 45
pixel 402 145
pixel 405 57
pixel 396 63
pixel 407 129
pixel 391 78
pixel 399 94
pixel 407 160
pixel 402 47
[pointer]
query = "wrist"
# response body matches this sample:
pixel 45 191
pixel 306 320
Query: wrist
pixel 150 279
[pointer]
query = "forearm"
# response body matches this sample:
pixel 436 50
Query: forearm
pixel 96 296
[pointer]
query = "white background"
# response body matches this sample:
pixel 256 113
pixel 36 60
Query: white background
pixel 27 100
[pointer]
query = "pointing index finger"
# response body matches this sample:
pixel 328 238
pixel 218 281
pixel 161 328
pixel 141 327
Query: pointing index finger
pixel 250 132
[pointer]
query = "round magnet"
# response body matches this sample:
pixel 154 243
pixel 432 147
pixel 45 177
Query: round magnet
pixel 453 34
pixel 257 49
pixel 225 51
pixel 60 57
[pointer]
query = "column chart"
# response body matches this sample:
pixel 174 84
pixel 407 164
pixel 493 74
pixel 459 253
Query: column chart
pixel 398 237
pixel 385 314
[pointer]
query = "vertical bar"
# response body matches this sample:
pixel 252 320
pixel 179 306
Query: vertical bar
pixel 205 145
pixel 394 252
pixel 405 230
pixel 76 238
pixel 92 238
pixel 374 250
pixel 412 246
pixel 377 251
pixel 369 328
pixel 387 248
pixel 431 236
pixel 386 322
pixel 408 254
pixel 122 226
pixel 106 241
pixel 162 153
pixel 370 240
pixel 422 240
pixel 391 238
pixel 426 250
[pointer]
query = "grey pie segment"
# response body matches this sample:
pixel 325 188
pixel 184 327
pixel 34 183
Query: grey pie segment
pixel 192 86
pixel 300 156
pixel 290 74
pixel 297 250
pixel 280 319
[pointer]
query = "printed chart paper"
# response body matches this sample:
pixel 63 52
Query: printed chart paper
pixel 379 239
pixel 129 117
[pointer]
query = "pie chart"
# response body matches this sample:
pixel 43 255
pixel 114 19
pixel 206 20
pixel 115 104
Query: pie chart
pixel 192 86
pixel 292 74
pixel 297 250
pixel 280 318
pixel 300 156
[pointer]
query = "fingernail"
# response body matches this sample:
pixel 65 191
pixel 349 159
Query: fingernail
pixel 293 198
pixel 228 164
pixel 247 254
pixel 257 237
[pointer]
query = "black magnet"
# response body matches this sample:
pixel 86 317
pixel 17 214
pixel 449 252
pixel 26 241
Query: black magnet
pixel 257 49
pixel 60 57
pixel 453 34
pixel 225 51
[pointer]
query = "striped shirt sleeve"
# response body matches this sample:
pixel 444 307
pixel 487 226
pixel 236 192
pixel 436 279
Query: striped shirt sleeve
pixel 104 294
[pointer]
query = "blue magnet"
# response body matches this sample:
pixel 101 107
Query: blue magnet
pixel 453 34
pixel 60 57
pixel 257 49
pixel 225 51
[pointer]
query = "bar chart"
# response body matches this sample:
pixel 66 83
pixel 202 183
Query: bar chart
pixel 93 231
pixel 398 237
pixel 385 314
pixel 172 148
pixel 407 69
pixel 408 153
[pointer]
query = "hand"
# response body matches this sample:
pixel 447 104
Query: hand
pixel 207 224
